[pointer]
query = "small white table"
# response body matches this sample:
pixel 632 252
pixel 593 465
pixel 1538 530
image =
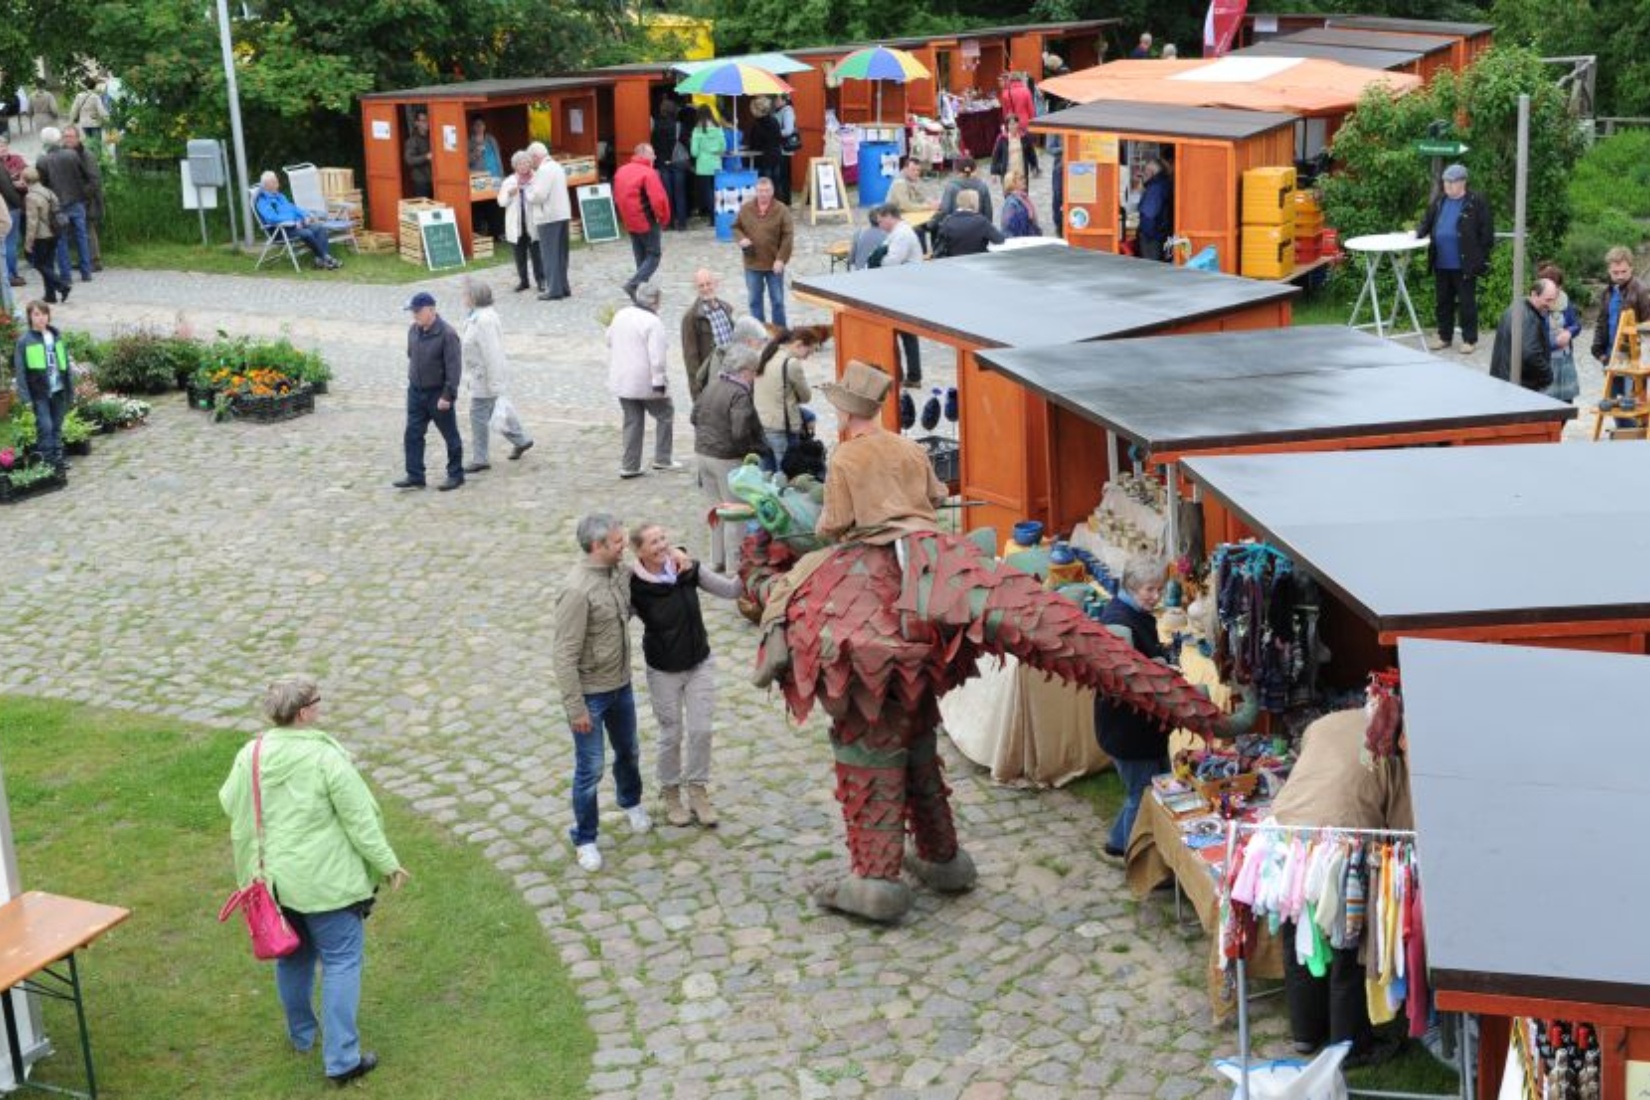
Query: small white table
pixel 1397 249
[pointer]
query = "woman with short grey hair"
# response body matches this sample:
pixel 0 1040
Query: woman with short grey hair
pixel 1138 745
pixel 486 371
pixel 519 229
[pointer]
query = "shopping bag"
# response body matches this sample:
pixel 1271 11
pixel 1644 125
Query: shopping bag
pixel 1290 1078
pixel 503 414
pixel 272 935
pixel 1565 385
pixel 1206 260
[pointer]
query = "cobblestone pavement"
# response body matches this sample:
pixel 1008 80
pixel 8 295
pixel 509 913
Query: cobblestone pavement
pixel 188 563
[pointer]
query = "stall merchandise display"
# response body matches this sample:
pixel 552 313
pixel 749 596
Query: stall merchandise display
pixel 1342 889
pixel 1131 519
pixel 1268 634
pixel 1561 1059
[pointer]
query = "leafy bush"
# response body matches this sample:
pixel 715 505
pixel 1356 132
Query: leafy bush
pixel 1614 175
pixel 85 350
pixel 146 362
pixel 1582 254
pixel 76 428
pixel 241 355
pixel 145 208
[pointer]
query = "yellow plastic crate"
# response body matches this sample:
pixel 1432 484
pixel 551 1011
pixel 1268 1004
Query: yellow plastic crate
pixel 1307 202
pixel 1267 252
pixel 1268 196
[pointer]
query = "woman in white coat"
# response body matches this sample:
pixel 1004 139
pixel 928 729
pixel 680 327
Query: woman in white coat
pixel 485 373
pixel 519 229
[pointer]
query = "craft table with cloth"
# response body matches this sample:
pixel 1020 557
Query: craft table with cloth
pixel 38 931
pixel 977 132
pixel 1157 855
pixel 1396 249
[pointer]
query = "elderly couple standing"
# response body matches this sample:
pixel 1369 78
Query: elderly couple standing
pixel 537 217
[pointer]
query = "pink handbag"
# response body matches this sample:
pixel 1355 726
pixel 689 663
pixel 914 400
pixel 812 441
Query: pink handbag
pixel 272 934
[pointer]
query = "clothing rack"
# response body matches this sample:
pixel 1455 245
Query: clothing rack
pixel 1234 828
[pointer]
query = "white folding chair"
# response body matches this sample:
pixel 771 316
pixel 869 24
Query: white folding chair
pixel 304 181
pixel 276 237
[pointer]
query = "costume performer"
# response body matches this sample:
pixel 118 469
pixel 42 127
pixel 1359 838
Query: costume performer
pixel 878 626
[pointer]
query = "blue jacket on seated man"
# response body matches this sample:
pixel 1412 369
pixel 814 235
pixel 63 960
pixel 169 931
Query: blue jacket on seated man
pixel 276 210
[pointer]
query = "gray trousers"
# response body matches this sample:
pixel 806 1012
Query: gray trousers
pixel 636 412
pixel 725 537
pixel 553 239
pixel 481 415
pixel 675 696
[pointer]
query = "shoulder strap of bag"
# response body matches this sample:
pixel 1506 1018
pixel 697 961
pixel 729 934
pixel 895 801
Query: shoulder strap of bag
pixel 258 802
pixel 785 392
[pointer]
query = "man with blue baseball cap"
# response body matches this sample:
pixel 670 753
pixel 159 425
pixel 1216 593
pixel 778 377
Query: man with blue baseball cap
pixel 435 360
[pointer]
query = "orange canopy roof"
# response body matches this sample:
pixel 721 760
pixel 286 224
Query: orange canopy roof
pixel 1304 86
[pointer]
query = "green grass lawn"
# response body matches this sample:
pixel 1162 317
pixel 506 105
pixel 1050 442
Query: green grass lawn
pixel 463 994
pixel 386 268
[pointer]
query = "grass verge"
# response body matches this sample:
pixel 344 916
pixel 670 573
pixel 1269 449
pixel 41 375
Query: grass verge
pixel 463 994
pixel 381 268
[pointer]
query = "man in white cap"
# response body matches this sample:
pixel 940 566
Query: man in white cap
pixel 1462 233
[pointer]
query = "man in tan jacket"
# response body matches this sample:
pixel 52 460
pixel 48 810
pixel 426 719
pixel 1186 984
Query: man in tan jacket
pixel 765 233
pixel 591 658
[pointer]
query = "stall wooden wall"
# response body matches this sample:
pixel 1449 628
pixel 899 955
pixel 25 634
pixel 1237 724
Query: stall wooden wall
pixel 808 97
pixel 384 187
pixel 632 118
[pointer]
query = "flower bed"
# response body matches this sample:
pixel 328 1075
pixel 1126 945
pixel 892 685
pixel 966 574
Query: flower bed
pixel 269 408
pixel 19 482
pixel 261 382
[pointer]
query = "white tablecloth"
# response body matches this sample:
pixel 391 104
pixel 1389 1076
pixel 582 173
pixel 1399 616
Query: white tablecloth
pixel 1029 731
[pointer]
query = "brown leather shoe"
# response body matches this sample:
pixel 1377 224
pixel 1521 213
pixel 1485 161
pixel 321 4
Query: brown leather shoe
pixel 699 803
pixel 675 813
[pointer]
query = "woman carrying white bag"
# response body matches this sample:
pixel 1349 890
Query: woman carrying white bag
pixel 485 372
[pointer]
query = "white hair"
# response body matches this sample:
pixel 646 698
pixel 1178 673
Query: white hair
pixel 537 149
pixel 750 331
pixel 51 135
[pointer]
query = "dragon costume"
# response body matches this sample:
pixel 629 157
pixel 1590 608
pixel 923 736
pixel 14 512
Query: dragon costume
pixel 875 634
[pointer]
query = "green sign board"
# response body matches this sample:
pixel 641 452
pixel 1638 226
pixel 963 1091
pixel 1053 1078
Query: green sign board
pixel 441 245
pixel 1440 148
pixel 600 220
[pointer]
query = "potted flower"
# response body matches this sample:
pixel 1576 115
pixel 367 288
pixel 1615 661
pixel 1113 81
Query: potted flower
pixel 77 434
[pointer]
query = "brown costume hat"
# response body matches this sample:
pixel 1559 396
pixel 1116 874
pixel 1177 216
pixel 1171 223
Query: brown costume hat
pixel 861 391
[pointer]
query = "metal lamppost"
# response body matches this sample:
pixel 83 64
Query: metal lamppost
pixel 236 136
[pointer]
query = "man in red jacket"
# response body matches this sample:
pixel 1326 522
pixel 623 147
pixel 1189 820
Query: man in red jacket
pixel 643 207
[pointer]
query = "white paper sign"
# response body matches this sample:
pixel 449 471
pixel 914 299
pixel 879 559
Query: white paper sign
pixel 575 119
pixel 203 198
pixel 380 129
pixel 449 138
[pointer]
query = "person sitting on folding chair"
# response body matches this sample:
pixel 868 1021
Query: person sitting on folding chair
pixel 275 210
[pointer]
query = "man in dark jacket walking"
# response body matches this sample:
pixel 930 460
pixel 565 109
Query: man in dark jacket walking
pixel 435 361
pixel 1462 233
pixel 965 231
pixel 1535 370
pixel 62 170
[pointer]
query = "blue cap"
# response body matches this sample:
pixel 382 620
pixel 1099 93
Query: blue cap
pixel 1455 172
pixel 419 301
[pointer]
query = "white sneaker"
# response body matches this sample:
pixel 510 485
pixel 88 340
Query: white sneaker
pixel 590 857
pixel 639 821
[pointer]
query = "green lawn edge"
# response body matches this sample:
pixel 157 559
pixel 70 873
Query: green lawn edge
pixel 464 994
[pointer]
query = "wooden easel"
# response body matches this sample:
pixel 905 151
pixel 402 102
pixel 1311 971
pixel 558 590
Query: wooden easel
pixel 1624 363
pixel 827 193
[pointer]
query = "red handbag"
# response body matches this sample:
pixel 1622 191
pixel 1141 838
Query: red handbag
pixel 272 934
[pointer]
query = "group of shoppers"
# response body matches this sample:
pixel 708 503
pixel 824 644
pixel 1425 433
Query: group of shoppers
pixel 50 207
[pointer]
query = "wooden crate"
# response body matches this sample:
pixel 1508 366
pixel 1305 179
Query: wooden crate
pixel 411 241
pixel 481 248
pixel 372 241
pixel 337 182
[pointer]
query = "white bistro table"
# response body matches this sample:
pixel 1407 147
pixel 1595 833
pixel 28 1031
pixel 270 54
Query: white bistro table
pixel 1396 249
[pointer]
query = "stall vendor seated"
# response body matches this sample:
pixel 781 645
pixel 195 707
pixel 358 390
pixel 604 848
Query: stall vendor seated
pixel 1351 774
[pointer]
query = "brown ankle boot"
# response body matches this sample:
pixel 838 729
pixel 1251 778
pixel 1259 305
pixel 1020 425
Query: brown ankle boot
pixel 675 813
pixel 699 802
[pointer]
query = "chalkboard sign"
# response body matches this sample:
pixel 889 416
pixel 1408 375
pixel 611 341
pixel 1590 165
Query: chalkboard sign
pixel 440 233
pixel 601 221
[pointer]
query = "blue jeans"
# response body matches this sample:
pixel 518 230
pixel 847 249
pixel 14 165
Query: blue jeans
pixel 82 243
pixel 13 240
pixel 337 941
pixel 774 283
pixel 648 248
pixel 614 711
pixel 778 443
pixel 1137 776
pixel 48 421
pixel 421 412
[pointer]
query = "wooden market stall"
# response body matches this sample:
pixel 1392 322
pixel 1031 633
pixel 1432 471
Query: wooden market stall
pixel 1533 906
pixel 1312 388
pixel 1437 50
pixel 1517 544
pixel 1471 39
pixel 1210 149
pixel 1395 61
pixel 1048 295
pixel 576 116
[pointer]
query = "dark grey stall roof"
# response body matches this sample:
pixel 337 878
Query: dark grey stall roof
pixel 1456 536
pixel 1163 120
pixel 1048 295
pixel 1364 59
pixel 1370 40
pixel 1208 391
pixel 1532 859
pixel 1409 26
pixel 481 89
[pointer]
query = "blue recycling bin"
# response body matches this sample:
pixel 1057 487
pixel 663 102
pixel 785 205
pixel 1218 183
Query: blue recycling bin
pixel 730 148
pixel 733 187
pixel 873 185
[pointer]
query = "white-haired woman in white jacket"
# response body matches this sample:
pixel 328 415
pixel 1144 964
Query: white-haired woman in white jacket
pixel 486 372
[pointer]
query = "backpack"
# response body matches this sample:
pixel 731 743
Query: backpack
pixel 877 255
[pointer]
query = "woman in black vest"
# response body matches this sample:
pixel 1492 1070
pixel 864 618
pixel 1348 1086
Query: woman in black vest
pixel 1137 744
pixel 681 677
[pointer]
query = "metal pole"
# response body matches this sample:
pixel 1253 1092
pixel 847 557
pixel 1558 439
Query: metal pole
pixel 234 92
pixel 1519 196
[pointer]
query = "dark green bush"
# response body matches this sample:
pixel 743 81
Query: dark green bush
pixel 1614 176
pixel 146 362
pixel 1582 254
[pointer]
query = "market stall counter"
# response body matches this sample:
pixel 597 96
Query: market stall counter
pixel 1311 388
pixel 1037 296
pixel 1502 544
pixel 1532 908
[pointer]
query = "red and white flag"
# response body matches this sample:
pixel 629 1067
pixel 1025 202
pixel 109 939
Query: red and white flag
pixel 1221 25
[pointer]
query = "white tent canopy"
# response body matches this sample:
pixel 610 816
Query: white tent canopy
pixel 777 63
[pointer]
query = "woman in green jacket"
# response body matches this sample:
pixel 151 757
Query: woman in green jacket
pixel 324 854
pixel 709 143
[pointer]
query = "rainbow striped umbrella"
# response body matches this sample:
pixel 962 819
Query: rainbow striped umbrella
pixel 881 63
pixel 733 78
